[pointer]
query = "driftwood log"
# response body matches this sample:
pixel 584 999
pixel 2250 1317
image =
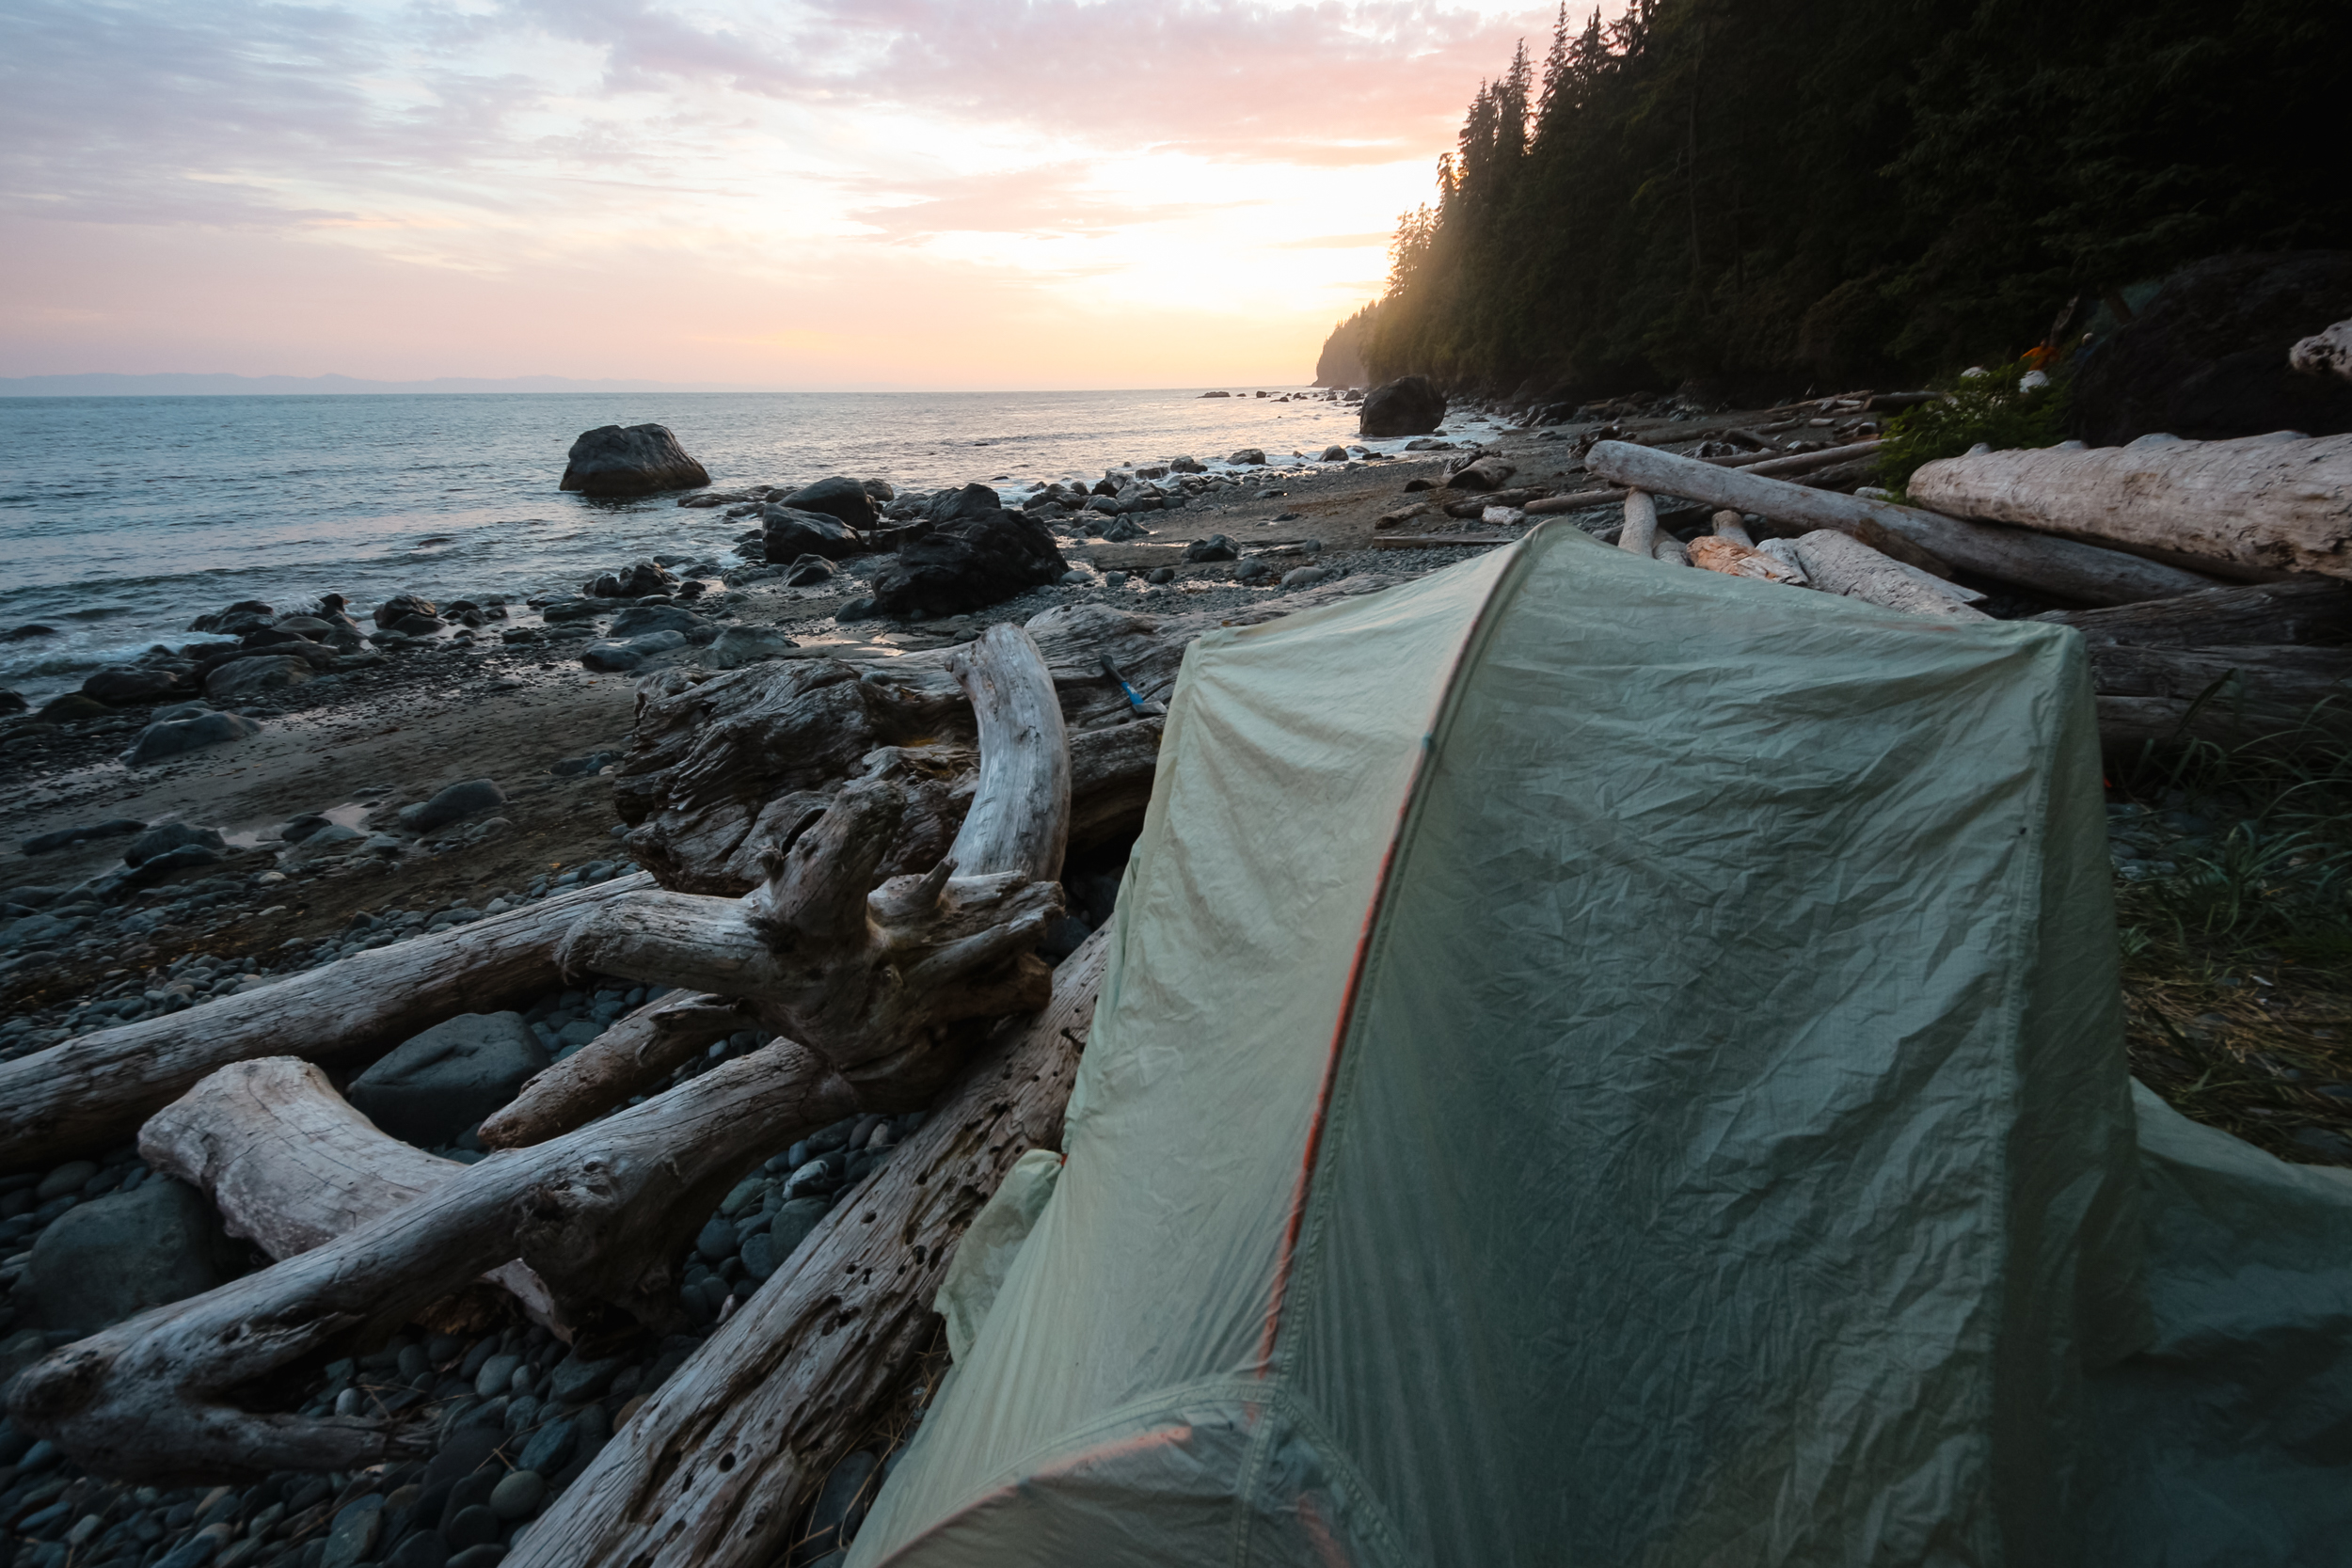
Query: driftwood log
pixel 2263 504
pixel 2308 611
pixel 2278 697
pixel 634 1056
pixel 1640 532
pixel 1837 562
pixel 94 1091
pixel 291 1165
pixel 2058 566
pixel 713 1471
pixel 895 980
pixel 1720 553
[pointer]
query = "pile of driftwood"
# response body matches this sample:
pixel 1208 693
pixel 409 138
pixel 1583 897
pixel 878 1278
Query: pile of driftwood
pixel 2212 570
pixel 857 857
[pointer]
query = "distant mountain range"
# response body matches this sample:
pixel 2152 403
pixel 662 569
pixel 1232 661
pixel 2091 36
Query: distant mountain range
pixel 183 385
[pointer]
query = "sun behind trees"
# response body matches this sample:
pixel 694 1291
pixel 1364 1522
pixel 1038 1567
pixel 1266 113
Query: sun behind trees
pixel 1759 194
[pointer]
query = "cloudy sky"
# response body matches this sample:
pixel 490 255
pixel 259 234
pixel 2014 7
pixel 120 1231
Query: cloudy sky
pixel 810 194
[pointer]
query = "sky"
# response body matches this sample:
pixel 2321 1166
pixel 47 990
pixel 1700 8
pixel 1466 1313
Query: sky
pixel 817 193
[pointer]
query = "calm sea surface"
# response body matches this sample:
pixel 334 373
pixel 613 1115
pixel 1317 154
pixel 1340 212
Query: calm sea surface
pixel 123 518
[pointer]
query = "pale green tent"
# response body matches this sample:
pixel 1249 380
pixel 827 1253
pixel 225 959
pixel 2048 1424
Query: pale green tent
pixel 1602 1063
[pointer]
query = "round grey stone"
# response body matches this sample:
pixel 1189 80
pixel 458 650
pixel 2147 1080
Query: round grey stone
pixel 519 1495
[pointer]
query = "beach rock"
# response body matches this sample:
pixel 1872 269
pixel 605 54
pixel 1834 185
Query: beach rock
pixel 1409 405
pixel 435 1085
pixel 133 683
pixel 418 626
pixel 1160 577
pixel 64 838
pixel 1307 576
pixel 572 609
pixel 1118 531
pixel 787 533
pixel 611 658
pixel 246 680
pixel 169 739
pixel 1487 473
pixel 117 1255
pixel 641 579
pixel 450 804
pixel 739 645
pixel 163 838
pixel 971 500
pixel 2207 357
pixel 1333 454
pixel 331 839
pixel 944 568
pixel 400 606
pixel 612 460
pixel 640 618
pixel 13 702
pixel 26 633
pixel 1217 547
pixel 1247 458
pixel 72 708
pixel 808 571
pixel 844 499
pixel 305 625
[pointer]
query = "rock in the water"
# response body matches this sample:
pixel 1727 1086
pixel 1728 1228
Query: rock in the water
pixel 243 680
pixel 1409 405
pixel 1247 458
pixel 399 607
pixel 117 1255
pixel 163 838
pixel 641 579
pixel 435 1085
pixel 739 645
pixel 787 533
pixel 971 500
pixel 132 683
pixel 1217 547
pixel 635 460
pixel 1333 454
pixel 169 739
pixel 13 702
pixel 844 499
pixel 944 568
pixel 449 805
pixel 2207 357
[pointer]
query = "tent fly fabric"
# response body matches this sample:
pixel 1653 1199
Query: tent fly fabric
pixel 1601 1063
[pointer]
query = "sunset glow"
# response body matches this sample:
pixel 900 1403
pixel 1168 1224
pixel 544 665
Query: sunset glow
pixel 898 193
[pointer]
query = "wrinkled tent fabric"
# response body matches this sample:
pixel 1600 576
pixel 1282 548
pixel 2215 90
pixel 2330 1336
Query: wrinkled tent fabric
pixel 1600 1063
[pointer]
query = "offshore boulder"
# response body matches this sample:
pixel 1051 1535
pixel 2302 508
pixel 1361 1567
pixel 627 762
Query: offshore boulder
pixel 630 460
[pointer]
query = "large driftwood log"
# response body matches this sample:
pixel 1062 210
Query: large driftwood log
pixel 715 1469
pixel 635 1055
pixel 2058 566
pixel 1838 562
pixel 94 1091
pixel 2308 611
pixel 2264 503
pixel 2282 697
pixel 591 1212
pixel 291 1165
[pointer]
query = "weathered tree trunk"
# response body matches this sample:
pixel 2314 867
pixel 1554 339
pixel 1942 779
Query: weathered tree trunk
pixel 593 1213
pixel 93 1092
pixel 635 1055
pixel 1728 525
pixel 2058 566
pixel 1796 463
pixel 291 1165
pixel 1574 501
pixel 2283 698
pixel 715 1469
pixel 1640 533
pixel 2264 503
pixel 1840 563
pixel 2309 611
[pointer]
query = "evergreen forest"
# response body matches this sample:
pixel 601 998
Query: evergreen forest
pixel 1762 194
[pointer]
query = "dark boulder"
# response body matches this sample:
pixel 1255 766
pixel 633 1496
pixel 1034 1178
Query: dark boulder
pixel 844 499
pixel 1217 547
pixel 164 837
pixel 243 680
pixel 449 805
pixel 117 1255
pixel 944 568
pixel 808 571
pixel 133 683
pixel 1410 405
pixel 72 708
pixel 435 1085
pixel 64 838
pixel 635 460
pixel 973 501
pixel 638 619
pixel 169 737
pixel 642 580
pixel 2207 358
pixel 399 607
pixel 788 534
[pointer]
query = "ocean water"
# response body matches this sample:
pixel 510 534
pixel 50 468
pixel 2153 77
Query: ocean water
pixel 123 518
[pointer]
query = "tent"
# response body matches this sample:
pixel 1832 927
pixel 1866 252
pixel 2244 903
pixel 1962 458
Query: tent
pixel 1601 1063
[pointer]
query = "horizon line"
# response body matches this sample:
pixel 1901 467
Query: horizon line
pixel 230 383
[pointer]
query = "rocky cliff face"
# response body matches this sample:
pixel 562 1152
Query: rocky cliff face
pixel 1342 362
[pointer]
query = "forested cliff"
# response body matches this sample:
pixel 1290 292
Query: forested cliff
pixel 1752 194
